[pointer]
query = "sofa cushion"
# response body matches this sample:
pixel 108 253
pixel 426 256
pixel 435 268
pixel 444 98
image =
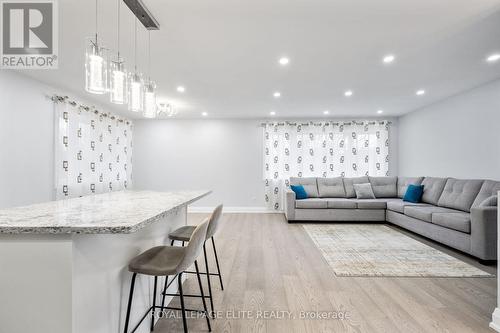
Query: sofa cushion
pixel 331 187
pixel 300 192
pixel 488 189
pixel 341 203
pixel 371 204
pixel 414 193
pixel 460 193
pixel 364 191
pixel 399 205
pixel 424 213
pixel 403 183
pixel 311 203
pixel 459 221
pixel 349 185
pixel 433 187
pixel 384 187
pixel 309 184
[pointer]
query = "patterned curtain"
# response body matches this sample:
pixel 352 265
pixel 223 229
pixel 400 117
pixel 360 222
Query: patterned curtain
pixel 324 149
pixel 93 150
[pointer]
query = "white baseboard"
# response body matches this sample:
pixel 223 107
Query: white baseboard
pixel 195 209
pixel 495 320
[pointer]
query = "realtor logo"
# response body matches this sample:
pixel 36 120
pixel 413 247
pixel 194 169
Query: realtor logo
pixel 29 34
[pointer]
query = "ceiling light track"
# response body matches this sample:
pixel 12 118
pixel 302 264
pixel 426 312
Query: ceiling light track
pixel 143 14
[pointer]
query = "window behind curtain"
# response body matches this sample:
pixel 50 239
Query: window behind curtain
pixel 323 149
pixel 93 151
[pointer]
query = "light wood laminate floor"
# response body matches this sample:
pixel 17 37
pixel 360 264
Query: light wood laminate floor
pixel 270 265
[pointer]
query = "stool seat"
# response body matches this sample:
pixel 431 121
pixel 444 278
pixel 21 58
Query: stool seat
pixel 182 234
pixel 159 261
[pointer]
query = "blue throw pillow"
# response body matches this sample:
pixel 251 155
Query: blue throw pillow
pixel 414 193
pixel 300 192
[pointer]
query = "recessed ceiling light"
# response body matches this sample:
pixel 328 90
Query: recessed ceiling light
pixel 204 114
pixel 326 112
pixel 380 111
pixel 420 92
pixel 493 58
pixel 272 113
pixel 181 89
pixel 389 58
pixel 277 94
pixel 284 61
pixel 348 93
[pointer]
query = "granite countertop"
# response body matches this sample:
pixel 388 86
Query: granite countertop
pixel 109 213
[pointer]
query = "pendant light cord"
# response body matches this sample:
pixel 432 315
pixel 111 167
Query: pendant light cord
pixel 96 23
pixel 135 46
pixel 118 30
pixel 149 56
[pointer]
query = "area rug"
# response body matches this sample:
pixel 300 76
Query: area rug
pixel 378 250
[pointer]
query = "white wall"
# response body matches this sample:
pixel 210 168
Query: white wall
pixel 26 141
pixel 458 137
pixel 222 155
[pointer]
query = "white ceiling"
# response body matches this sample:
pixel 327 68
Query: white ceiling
pixel 225 53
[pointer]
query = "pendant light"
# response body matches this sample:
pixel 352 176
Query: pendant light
pixel 118 74
pixel 95 64
pixel 167 109
pixel 150 100
pixel 135 85
pixel 149 88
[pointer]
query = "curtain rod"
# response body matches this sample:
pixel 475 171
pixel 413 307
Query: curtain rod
pixel 326 123
pixel 65 99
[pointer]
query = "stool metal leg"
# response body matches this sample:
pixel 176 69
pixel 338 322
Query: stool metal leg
pixel 202 295
pixel 172 242
pixel 154 305
pixel 183 309
pixel 208 278
pixel 217 262
pixel 164 292
pixel 131 294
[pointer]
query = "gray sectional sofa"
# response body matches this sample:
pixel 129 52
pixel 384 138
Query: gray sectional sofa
pixel 456 212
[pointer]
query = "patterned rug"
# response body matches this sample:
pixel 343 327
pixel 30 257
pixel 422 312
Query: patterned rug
pixel 378 250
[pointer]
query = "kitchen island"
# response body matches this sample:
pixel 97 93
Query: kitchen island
pixel 63 264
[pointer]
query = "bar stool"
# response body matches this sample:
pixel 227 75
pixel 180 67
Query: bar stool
pixel 184 233
pixel 169 261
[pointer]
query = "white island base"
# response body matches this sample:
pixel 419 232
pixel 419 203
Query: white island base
pixel 61 283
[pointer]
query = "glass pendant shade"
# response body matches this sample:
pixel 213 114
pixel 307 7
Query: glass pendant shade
pixel 117 82
pixel 95 68
pixel 173 111
pixel 135 92
pixel 150 100
pixel 167 109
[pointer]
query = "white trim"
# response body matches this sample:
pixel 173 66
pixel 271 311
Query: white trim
pixel 495 320
pixel 196 209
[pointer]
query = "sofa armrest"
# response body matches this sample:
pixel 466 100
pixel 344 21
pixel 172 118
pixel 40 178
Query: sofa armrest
pixel 484 232
pixel 290 205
